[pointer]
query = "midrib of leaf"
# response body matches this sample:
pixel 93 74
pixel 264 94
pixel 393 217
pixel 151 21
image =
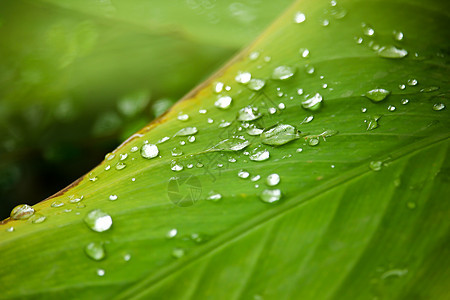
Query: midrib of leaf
pixel 136 291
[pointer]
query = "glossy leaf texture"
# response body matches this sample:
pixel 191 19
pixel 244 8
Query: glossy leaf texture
pixel 353 102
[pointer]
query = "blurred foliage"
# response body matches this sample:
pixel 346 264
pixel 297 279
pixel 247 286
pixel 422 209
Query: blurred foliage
pixel 78 77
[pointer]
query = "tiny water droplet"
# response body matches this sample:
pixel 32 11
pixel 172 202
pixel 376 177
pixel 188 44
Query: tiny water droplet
pixel 95 251
pixel 224 124
pixel 123 156
pixel 214 196
pixel 202 111
pixel 101 272
pixel 162 140
pixel 283 72
pixel 372 122
pixel 398 35
pixel 325 22
pixel 75 198
pixel 279 135
pixel 270 196
pixel 254 131
pixel 299 17
pixel 307 120
pixel 394 272
pixel 404 101
pixel 375 165
pixel 57 204
pixel 412 82
pixel 127 257
pixel 391 108
pixel 377 95
pixel 253 55
pixel 113 197
pixel 313 103
pixel 273 179
pixel 110 156
pixel 38 218
pixel 299 150
pixel 309 69
pixel 134 149
pixel 183 117
pixel 402 86
pixel 98 220
pixel 304 52
pixel 281 106
pixel 243 174
pixel 391 52
pixel 186 131
pixel 367 30
pixel 272 110
pixel 107 167
pixel 218 87
pixel 120 166
pixel 429 89
pixel 10 229
pixel 176 152
pixel 191 139
pixel 172 233
pixel 248 113
pixel 300 91
pixel 223 102
pixel 255 178
pixel 92 177
pixel 438 106
pixel 363 109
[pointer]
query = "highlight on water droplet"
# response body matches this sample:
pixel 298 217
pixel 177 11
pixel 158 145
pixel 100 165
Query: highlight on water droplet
pixel 95 251
pixel 299 17
pixel 243 174
pixel 273 179
pixel 259 154
pixel 283 72
pixel 248 113
pixel 270 196
pixel 98 220
pixel 243 77
pixel 149 151
pixel 22 212
pixel 214 196
pixel 377 95
pixel 172 233
pixel 223 102
pixel 313 103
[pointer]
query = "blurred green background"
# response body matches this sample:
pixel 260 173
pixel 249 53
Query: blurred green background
pixel 79 76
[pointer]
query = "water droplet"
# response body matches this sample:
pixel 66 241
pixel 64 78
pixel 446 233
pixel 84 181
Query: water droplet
pixel 309 69
pixel 412 82
pixel 377 95
pixel 224 124
pixel 110 156
pixel 178 252
pixel 299 150
pixel 57 204
pixel 281 106
pixel 398 35
pixel 113 197
pixel 127 257
pixel 391 108
pixel 183 117
pixel 149 151
pixel 283 72
pixel 243 77
pixel 391 52
pixel 438 106
pixel 223 102
pixel 256 84
pixel 92 177
pixel 191 139
pixel 325 22
pixel 202 111
pixel 394 272
pixel 243 174
pixel 313 141
pixel 10 229
pixel 402 86
pixel 255 178
pixel 273 179
pixel 304 52
pixel 218 87
pixel 101 272
pixel 231 144
pixel 259 154
pixel 38 218
pixel 123 156
pixel 279 135
pixel 98 220
pixel 253 55
pixel 162 140
pixel 313 103
pixel 299 17
pixel 429 89
pixel 172 233
pixel 404 101
pixel 372 122
pixel 307 120
pixel 75 198
pixel 300 91
pixel 270 196
pixel 176 167
pixel 134 149
pixel 248 113
pixel 375 165
pixel 272 110
pixel 107 167
pixel 186 131
pixel 95 251
pixel 214 196
pixel 120 166
pixel 367 30
pixel 176 152
pixel 254 131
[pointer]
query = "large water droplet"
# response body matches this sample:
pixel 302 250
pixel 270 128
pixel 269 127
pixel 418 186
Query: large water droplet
pixel 392 52
pixel 149 151
pixel 98 220
pixel 231 144
pixel 223 102
pixel 259 154
pixel 248 113
pixel 187 131
pixel 283 72
pixel 95 251
pixel 270 196
pixel 22 212
pixel 377 95
pixel 279 135
pixel 313 103
pixel 273 179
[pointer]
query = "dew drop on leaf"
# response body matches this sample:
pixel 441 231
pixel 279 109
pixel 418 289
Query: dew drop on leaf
pixel 243 174
pixel 412 82
pixel 256 84
pixel 120 166
pixel 283 72
pixel 171 233
pixel 304 52
pixel 375 165
pixel 187 131
pixel 101 272
pixel 243 77
pixel 313 103
pixel 270 196
pixel 134 149
pixel 259 154
pixel 438 106
pixel 38 218
pixel 377 95
pixel 248 113
pixel 391 108
pixel 214 196
pixel 149 151
pixel 391 52
pixel 223 102
pixel 231 144
pixel 95 251
pixel 273 179
pixel 57 204
pixel 372 122
pixel 176 167
pixel 98 220
pixel 299 17
pixel 313 141
pixel 279 135
pixel 113 197
pixel 404 101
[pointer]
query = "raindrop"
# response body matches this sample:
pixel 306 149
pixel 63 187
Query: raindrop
pixel 283 72
pixel 248 113
pixel 123 156
pixel 392 52
pixel 120 166
pixel 57 204
pixel 218 87
pixel 279 135
pixel 98 220
pixel 375 165
pixel 186 131
pixel 243 77
pixel 372 123
pixel 313 103
pixel 377 95
pixel 270 196
pixel 307 120
pixel 214 196
pixel 38 218
pixel 391 108
pixel 223 102
pixel 183 117
pixel 176 167
pixel 304 52
pixel 231 144
pixel 134 149
pixel 113 197
pixel 178 252
pixel 412 82
pixel 299 17
pixel 149 151
pixel 313 141
pixel 75 198
pixel 398 35
pixel 273 179
pixel 176 152
pixel 101 272
pixel 404 101
pixel 95 251
pixel 438 106
pixel 243 174
pixel 259 154
pixel 172 233
pixel 256 84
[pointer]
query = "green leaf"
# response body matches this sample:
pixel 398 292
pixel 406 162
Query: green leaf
pixel 360 215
